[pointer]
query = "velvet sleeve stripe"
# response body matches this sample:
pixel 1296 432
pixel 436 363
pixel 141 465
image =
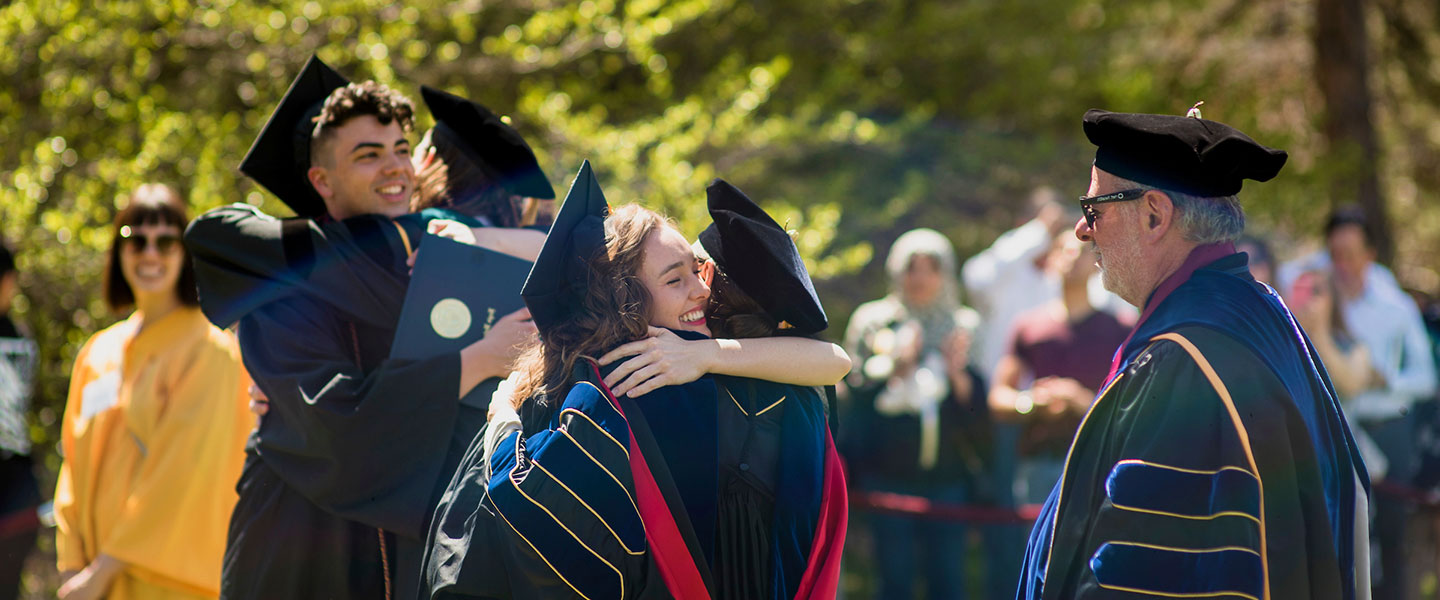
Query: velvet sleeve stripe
pixel 1170 572
pixel 546 514
pixel 630 535
pixel 579 566
pixel 565 494
pixel 505 455
pixel 608 422
pixel 1165 490
pixel 1244 435
pixel 595 487
pixel 668 532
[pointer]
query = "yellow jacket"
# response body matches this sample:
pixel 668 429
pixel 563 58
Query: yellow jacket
pixel 154 436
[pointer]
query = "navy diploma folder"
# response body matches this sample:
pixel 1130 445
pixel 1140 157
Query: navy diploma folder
pixel 457 292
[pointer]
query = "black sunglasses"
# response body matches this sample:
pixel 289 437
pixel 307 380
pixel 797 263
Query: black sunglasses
pixel 1087 203
pixel 164 243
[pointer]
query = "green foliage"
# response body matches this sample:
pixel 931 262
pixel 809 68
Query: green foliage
pixel 852 121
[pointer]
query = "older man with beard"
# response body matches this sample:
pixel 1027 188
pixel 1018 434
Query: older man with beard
pixel 1214 461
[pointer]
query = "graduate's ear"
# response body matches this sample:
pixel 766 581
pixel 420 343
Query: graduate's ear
pixel 707 273
pixel 320 180
pixel 1157 215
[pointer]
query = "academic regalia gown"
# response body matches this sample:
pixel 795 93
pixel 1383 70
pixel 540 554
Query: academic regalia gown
pixel 773 446
pixel 574 507
pixel 553 515
pixel 153 439
pixel 1215 462
pixel 355 444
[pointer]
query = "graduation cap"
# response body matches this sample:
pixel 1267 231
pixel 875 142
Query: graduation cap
pixel 280 156
pixel 758 255
pixel 556 283
pixel 1184 154
pixel 495 146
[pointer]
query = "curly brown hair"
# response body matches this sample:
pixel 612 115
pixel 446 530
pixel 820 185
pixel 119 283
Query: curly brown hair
pixel 615 309
pixel 357 100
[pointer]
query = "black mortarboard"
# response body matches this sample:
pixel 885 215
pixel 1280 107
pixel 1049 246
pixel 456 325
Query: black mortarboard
pixel 758 255
pixel 280 156
pixel 557 282
pixel 1191 155
pixel 495 146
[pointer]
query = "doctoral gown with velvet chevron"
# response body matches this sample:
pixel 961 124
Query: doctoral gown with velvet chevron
pixel 1215 463
pixel 621 498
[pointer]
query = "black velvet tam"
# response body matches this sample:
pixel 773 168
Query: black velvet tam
pixel 495 146
pixel 758 255
pixel 556 282
pixel 280 156
pixel 1183 154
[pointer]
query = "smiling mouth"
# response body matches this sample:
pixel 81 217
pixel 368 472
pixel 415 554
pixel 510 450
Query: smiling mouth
pixel 693 317
pixel 394 190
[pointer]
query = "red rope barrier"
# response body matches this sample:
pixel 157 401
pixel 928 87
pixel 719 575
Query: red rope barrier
pixel 18 522
pixel 1421 498
pixel 924 508
pixel 915 506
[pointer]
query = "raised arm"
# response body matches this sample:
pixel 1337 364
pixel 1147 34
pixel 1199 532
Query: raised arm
pixel 365 444
pixel 664 358
pixel 245 258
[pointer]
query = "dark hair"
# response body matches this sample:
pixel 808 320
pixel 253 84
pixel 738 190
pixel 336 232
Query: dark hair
pixel 357 100
pixel 149 204
pixel 452 180
pixel 1349 215
pixel 732 313
pixel 615 309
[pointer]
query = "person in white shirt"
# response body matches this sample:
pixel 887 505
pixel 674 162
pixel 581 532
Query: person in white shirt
pixel 1002 282
pixel 1386 321
pixel 1008 279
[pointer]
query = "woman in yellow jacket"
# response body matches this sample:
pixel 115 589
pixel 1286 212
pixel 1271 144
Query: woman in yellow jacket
pixel 155 426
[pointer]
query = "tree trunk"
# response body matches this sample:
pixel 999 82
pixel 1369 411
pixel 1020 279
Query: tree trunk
pixel 1342 68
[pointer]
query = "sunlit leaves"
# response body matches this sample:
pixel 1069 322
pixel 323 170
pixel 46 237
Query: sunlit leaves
pixel 851 120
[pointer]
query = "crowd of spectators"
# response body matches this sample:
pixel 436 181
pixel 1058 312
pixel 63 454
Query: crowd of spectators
pixel 970 378
pixel 971 400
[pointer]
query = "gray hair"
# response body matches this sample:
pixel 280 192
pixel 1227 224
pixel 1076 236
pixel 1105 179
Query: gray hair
pixel 1208 220
pixel 925 242
pixel 1203 219
pixel 922 241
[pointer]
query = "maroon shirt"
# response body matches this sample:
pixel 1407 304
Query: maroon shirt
pixel 1050 346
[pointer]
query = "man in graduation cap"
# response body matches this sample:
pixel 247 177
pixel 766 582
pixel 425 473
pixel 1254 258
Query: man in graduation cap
pixel 1215 461
pixel 341 474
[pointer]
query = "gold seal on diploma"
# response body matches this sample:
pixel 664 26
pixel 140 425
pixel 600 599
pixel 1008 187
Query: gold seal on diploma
pixel 450 318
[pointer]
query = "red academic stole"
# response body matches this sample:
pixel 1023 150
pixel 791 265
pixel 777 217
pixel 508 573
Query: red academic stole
pixel 822 574
pixel 667 546
pixel 674 558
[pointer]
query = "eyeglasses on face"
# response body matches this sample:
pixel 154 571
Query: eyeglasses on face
pixel 1087 203
pixel 164 243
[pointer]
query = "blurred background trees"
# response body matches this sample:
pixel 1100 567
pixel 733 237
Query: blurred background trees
pixel 852 121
